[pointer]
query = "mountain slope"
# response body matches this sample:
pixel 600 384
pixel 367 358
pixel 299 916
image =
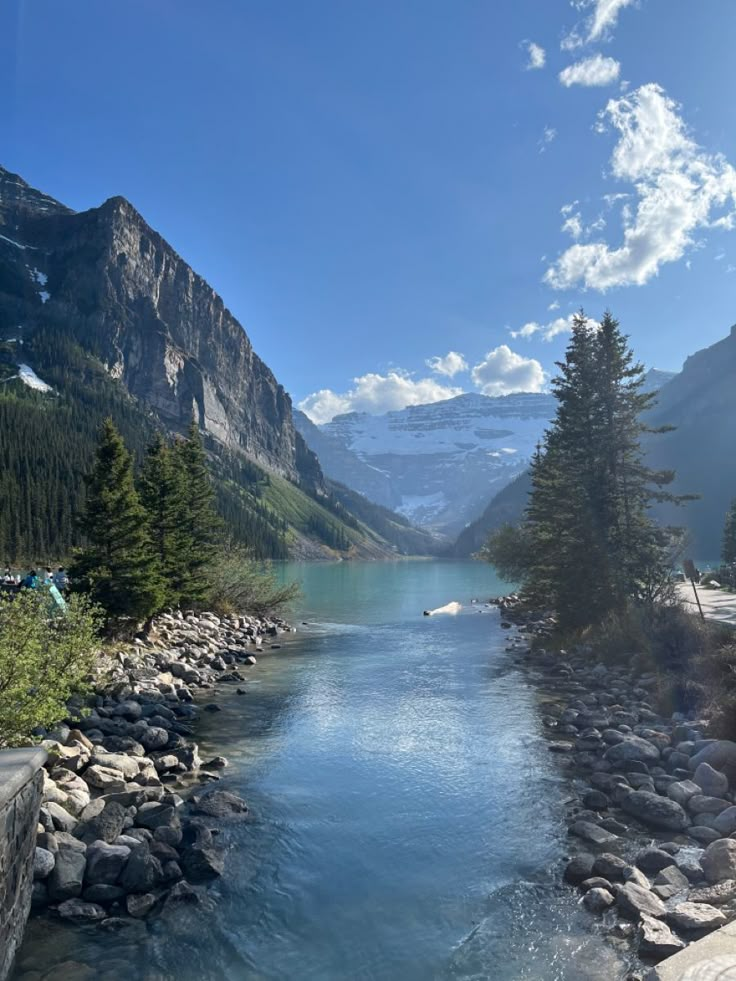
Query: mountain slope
pixel 98 312
pixel 436 464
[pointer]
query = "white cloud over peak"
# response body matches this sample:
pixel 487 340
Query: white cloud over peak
pixel 681 189
pixel 452 364
pixel 503 372
pixel 537 56
pixel 599 25
pixel 376 394
pixel 594 71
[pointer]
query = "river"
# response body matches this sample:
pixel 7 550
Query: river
pixel 406 815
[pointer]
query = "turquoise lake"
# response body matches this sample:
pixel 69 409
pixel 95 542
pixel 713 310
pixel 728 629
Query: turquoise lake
pixel 406 816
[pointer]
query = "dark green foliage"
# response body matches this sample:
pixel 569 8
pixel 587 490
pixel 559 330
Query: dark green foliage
pixel 200 529
pixel 592 544
pixel 728 551
pixel 163 496
pixel 508 550
pixel 117 565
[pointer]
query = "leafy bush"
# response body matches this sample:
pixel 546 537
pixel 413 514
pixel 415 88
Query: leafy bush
pixel 508 549
pixel 240 585
pixel 45 656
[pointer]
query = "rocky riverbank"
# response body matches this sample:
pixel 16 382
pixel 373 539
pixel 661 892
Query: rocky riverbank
pixel 128 826
pixel 652 818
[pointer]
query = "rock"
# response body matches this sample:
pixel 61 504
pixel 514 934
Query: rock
pixel 62 819
pixel 653 859
pixel 596 800
pixel 651 809
pixel 220 804
pixel 711 781
pixel 696 916
pixel 596 882
pixel 102 894
pixel 597 900
pixel 154 815
pixel 715 895
pixel 65 880
pixel 116 761
pixel 609 866
pixel 682 790
pixel 154 738
pixel 216 763
pixel 105 863
pixel 703 834
pixel 43 863
pixel 592 833
pixel 707 805
pixel 632 874
pixel 579 869
pixel 633 901
pixel 182 892
pixel 719 860
pixel 656 940
pixel 142 872
pixel 200 863
pixel 76 909
pixel 725 822
pixel 672 876
pixel 140 905
pixel 104 778
pixel 632 748
pixel 720 754
pixel 104 826
pixel 690 866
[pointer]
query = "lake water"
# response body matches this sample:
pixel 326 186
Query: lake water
pixel 406 815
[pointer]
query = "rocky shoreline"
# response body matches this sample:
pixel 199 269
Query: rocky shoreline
pixel 128 824
pixel 652 819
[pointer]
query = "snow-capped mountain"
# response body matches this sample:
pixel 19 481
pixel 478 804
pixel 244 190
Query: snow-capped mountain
pixel 436 464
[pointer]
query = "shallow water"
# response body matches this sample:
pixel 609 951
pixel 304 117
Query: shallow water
pixel 406 817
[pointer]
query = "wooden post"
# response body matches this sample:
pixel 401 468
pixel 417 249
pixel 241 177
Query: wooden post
pixel 689 567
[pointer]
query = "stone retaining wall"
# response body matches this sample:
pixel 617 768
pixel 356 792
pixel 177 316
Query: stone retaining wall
pixel 21 786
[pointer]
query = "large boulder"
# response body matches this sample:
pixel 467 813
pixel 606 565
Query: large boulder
pixel 66 877
pixel 43 863
pixel 117 761
pixel 633 901
pixel 105 863
pixel 154 815
pixel 654 859
pixel 142 872
pixel 716 895
pixel 632 749
pixel 712 782
pixel 725 822
pixel 200 863
pixel 106 825
pixel 721 755
pixel 656 811
pixel 656 940
pixel 579 869
pixel 696 916
pixel 220 804
pixel 81 912
pixel 719 860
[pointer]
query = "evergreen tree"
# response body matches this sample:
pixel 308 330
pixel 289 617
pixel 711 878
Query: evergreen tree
pixel 200 525
pixel 592 544
pixel 162 495
pixel 117 566
pixel 728 552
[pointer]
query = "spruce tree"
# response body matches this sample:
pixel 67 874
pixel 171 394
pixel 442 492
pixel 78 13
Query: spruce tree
pixel 200 525
pixel 162 494
pixel 593 546
pixel 728 552
pixel 117 565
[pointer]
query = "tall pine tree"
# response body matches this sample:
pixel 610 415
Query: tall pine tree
pixel 117 565
pixel 200 525
pixel 592 543
pixel 162 492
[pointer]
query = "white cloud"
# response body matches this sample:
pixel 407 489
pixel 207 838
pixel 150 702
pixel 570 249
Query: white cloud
pixel 554 305
pixel 573 225
pixel 561 325
pixel 537 56
pixel 549 134
pixel 452 364
pixel 503 372
pixel 375 394
pixel 680 187
pixel 598 26
pixel 593 71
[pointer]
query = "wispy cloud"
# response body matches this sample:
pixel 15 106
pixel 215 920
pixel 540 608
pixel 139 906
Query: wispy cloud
pixel 599 25
pixel 680 187
pixel 594 71
pixel 549 135
pixel 536 56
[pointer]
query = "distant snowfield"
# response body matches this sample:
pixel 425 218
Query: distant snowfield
pixel 29 377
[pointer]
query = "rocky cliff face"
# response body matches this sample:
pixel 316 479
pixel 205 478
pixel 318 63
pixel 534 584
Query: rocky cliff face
pixel 124 294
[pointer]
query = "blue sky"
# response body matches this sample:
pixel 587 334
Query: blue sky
pixel 371 184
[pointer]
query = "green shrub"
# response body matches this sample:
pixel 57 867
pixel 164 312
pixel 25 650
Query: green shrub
pixel 240 585
pixel 45 656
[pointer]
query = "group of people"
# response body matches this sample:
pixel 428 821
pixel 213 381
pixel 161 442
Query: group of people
pixel 35 579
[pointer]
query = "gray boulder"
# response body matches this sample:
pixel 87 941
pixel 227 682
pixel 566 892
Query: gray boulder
pixel 43 863
pixel 579 869
pixel 715 895
pixel 81 912
pixel 104 826
pixel 102 894
pixel 66 877
pixel 682 790
pixel 719 860
pixel 654 859
pixel 105 863
pixel 633 900
pixel 725 822
pixel 200 863
pixel 712 782
pixel 656 811
pixel 597 900
pixel 696 916
pixel 154 815
pixel 720 754
pixel 633 748
pixel 592 833
pixel 142 872
pixel 220 804
pixel 656 940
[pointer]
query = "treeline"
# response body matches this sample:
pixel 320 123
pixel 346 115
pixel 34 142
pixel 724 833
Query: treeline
pixel 47 445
